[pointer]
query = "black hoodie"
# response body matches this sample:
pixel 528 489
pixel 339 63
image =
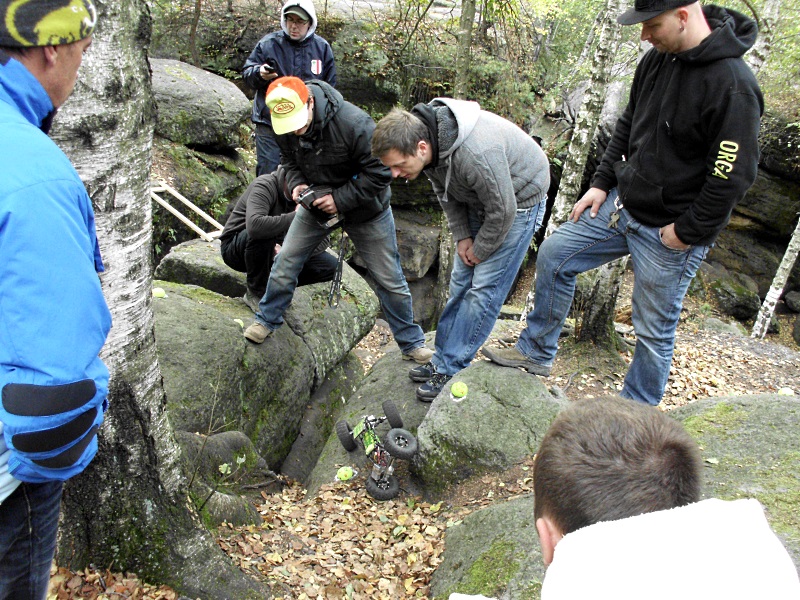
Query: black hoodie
pixel 685 150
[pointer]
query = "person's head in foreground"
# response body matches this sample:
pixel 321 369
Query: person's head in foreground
pixel 401 141
pixel 610 458
pixel 291 106
pixel 49 37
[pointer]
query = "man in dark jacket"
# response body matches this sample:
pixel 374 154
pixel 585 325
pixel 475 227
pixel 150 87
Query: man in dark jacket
pixel 325 141
pixel 254 232
pixel 683 153
pixel 294 50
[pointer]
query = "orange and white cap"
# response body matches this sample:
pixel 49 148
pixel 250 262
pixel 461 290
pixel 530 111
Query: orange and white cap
pixel 287 99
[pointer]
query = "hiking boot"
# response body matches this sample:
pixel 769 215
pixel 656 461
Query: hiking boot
pixel 419 355
pixel 428 391
pixel 511 357
pixel 257 333
pixel 251 301
pixel 422 373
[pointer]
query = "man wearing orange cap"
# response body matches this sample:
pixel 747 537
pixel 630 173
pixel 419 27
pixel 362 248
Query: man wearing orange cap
pixel 325 141
pixel 53 318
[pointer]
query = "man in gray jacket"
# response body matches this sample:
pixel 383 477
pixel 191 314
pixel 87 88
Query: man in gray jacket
pixel 491 179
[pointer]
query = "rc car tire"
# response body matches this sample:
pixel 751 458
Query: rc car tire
pixel 392 414
pixel 385 489
pixel 345 434
pixel 401 444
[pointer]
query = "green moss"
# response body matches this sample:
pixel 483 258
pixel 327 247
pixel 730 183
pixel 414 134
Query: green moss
pixel 494 569
pixel 776 486
pixel 720 421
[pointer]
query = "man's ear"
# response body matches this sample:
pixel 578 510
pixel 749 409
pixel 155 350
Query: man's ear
pixel 422 147
pixel 549 536
pixel 50 54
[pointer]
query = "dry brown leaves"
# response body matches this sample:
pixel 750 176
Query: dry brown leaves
pixel 96 585
pixel 342 544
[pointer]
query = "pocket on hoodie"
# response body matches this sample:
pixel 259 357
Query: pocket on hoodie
pixel 643 198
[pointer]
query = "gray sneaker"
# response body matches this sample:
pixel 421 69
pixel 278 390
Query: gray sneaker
pixel 511 357
pixel 419 355
pixel 251 301
pixel 257 333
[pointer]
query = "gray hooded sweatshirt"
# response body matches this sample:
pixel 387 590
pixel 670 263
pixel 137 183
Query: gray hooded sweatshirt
pixel 491 169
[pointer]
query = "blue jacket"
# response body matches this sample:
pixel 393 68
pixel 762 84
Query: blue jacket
pixel 53 317
pixel 310 58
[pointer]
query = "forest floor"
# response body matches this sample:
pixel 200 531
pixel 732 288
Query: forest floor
pixel 344 544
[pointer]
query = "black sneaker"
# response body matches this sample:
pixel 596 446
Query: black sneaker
pixel 428 391
pixel 422 373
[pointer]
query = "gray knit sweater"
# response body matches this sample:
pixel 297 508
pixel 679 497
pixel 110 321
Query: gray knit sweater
pixel 492 168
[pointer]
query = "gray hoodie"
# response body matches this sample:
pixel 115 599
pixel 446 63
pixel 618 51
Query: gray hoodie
pixel 491 169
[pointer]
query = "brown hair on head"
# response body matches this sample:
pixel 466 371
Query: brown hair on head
pixel 610 458
pixel 399 130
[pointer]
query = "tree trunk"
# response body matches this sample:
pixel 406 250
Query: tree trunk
pixel 129 510
pixel 446 258
pixel 198 7
pixel 588 116
pixel 585 126
pixel 464 52
pixel 770 14
pixel 778 283
pixel 597 320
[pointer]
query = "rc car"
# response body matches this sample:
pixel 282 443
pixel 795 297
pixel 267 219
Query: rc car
pixel 398 443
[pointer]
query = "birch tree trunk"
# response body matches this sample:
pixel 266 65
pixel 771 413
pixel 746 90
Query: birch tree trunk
pixel 778 283
pixel 129 510
pixel 463 55
pixel 585 124
pixel 597 320
pixel 446 258
pixel 769 17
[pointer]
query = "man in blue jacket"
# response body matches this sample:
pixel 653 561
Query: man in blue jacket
pixel 53 318
pixel 294 50
pixel 683 153
pixel 325 141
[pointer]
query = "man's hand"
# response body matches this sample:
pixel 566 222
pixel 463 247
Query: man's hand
pixel 670 240
pixel 593 198
pixel 266 74
pixel 276 250
pixel 326 204
pixel 298 190
pixel 464 249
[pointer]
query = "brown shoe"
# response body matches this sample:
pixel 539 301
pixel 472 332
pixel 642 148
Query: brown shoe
pixel 511 357
pixel 421 355
pixel 257 333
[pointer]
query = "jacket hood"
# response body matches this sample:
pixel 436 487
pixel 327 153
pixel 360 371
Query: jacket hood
pixel 307 6
pixel 327 102
pixel 732 34
pixel 466 113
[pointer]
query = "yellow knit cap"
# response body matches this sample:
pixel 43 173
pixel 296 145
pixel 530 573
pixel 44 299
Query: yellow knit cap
pixel 28 23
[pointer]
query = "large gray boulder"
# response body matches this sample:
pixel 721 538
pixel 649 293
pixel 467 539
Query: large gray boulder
pixel 197 108
pixel 216 380
pixel 499 422
pixel 751 450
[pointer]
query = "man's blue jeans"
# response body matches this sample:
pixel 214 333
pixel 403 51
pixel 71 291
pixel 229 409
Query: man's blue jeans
pixel 28 527
pixel 376 243
pixel 661 278
pixel 477 293
pixel 268 154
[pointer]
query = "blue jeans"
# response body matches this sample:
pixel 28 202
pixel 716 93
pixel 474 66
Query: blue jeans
pixel 268 153
pixel 28 527
pixel 661 278
pixel 376 243
pixel 477 293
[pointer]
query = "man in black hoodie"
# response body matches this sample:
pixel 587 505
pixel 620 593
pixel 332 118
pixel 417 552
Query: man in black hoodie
pixel 683 153
pixel 325 141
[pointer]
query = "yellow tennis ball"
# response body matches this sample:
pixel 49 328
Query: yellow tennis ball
pixel 459 389
pixel 344 473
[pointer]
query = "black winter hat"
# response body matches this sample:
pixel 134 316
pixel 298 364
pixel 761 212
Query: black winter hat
pixel 29 23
